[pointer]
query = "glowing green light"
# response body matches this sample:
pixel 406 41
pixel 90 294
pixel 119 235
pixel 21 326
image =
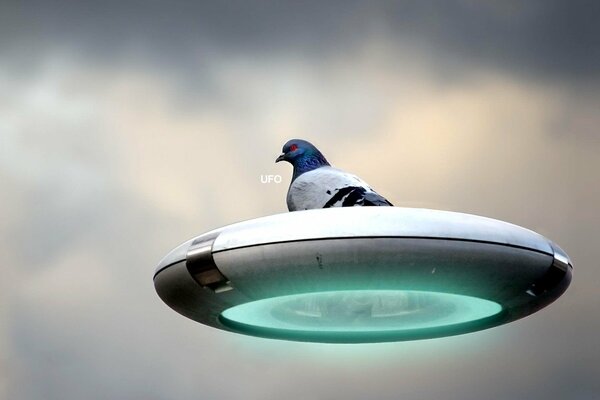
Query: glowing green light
pixel 361 315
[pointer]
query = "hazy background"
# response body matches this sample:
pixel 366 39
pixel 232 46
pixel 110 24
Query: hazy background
pixel 129 127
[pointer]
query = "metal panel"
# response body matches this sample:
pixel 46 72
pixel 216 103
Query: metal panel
pixel 376 222
pixel 372 248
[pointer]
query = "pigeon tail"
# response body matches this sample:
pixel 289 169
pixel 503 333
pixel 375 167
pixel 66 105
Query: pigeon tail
pixel 375 199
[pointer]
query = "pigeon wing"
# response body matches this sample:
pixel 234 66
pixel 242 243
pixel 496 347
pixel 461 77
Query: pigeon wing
pixel 330 187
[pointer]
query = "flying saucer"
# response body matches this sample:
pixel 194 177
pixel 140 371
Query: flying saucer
pixel 363 274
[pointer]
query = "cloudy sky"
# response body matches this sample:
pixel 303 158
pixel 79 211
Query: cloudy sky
pixel 129 127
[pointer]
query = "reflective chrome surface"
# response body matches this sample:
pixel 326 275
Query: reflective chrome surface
pixel 369 248
pixel 376 222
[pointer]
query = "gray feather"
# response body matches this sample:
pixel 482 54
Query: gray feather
pixel 331 187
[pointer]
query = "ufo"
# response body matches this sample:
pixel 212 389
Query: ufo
pixel 362 275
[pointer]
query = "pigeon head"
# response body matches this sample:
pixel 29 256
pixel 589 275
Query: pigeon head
pixel 303 155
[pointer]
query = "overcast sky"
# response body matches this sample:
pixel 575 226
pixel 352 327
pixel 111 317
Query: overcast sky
pixel 127 128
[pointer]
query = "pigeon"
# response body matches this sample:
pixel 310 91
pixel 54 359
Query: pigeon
pixel 316 184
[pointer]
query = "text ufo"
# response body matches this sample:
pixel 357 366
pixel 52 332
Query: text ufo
pixel 363 274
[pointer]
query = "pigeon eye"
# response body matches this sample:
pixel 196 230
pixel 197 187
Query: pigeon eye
pixel 293 147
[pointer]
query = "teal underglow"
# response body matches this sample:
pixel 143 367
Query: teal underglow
pixel 361 315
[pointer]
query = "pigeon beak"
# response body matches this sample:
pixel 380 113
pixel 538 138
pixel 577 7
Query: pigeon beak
pixel 280 158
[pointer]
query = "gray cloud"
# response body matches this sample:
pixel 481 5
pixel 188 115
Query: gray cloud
pixel 554 39
pixel 127 128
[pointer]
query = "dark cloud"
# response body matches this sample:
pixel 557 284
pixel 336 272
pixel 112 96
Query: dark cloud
pixel 539 37
pixel 557 39
pixel 93 201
